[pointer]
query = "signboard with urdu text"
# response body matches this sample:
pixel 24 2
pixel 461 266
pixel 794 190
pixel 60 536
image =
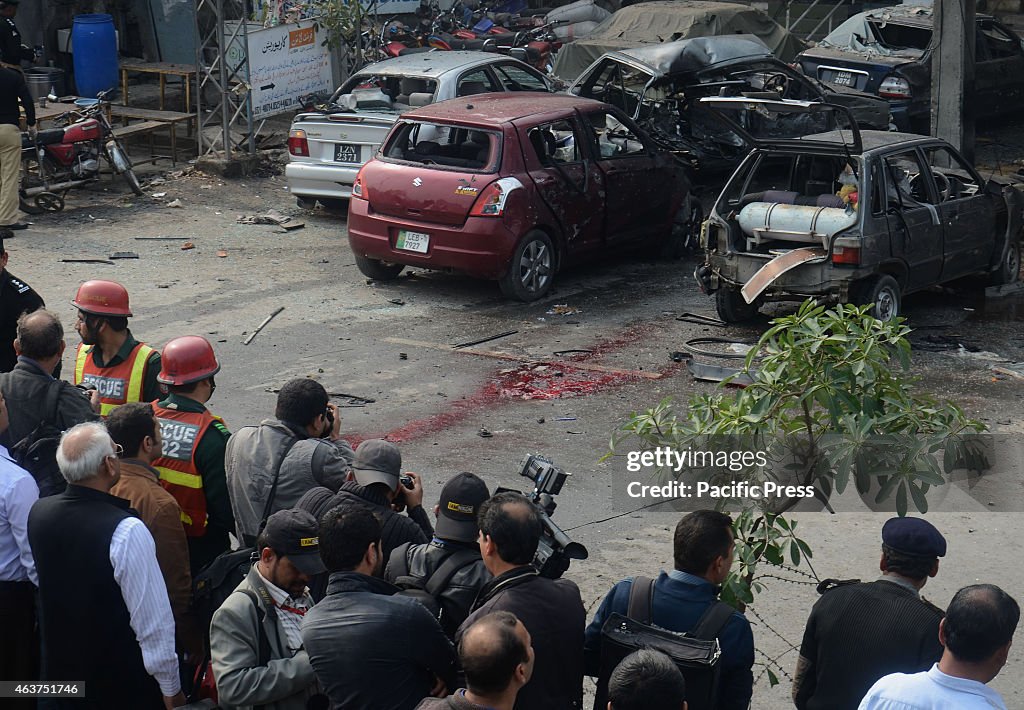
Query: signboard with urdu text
pixel 286 62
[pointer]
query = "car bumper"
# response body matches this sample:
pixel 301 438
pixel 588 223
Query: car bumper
pixel 481 247
pixel 811 279
pixel 317 180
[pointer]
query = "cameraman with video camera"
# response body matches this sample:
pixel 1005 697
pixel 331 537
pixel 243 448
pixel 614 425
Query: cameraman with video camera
pixel 550 609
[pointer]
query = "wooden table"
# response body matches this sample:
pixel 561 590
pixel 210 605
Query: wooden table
pixel 186 72
pixel 54 109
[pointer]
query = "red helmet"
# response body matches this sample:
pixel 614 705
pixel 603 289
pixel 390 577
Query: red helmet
pixel 187 359
pixel 102 298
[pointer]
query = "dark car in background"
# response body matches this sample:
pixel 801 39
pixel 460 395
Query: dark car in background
pixel 851 216
pixel 660 87
pixel 889 51
pixel 512 188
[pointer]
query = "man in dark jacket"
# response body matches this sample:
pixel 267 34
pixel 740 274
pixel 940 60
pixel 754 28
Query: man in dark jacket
pixel 455 544
pixel 33 395
pixel 859 632
pixel 703 548
pixel 303 443
pixel 17 298
pixel 377 470
pixel 369 647
pixel 550 609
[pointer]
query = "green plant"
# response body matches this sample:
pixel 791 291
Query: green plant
pixel 830 402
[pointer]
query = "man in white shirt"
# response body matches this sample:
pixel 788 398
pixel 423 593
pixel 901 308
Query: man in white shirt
pixel 255 644
pixel 105 617
pixel 976 635
pixel 18 491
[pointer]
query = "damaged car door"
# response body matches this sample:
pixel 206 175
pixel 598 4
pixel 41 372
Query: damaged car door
pixel 637 201
pixel 570 185
pixel 915 230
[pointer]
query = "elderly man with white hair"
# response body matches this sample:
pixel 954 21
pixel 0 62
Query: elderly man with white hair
pixel 106 618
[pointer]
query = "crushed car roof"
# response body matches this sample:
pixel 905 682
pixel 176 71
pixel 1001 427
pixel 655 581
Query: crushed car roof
pixel 693 55
pixel 431 64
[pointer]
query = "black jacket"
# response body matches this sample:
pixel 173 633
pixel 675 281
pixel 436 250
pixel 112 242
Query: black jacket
pixel 422 561
pixel 370 649
pixel 552 611
pixel 16 296
pixel 14 90
pixel 12 51
pixel 396 529
pixel 25 388
pixel 858 633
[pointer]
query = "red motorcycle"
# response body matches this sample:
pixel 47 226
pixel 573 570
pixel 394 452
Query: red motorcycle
pixel 60 159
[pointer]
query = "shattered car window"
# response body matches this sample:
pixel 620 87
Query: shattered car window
pixel 555 143
pixel 444 146
pixel 614 140
pixel 896 36
pixel 388 93
pixel 906 182
pixel 617 84
pixel 953 178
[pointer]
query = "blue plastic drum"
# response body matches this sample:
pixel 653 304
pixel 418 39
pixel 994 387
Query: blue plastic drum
pixel 94 46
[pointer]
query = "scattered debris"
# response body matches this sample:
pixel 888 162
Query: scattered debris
pixel 187 245
pixel 397 301
pixel 124 255
pixel 403 356
pixel 700 319
pixel 563 309
pixel 222 253
pixel 87 261
pixel 485 340
pixel 574 351
pixel 979 355
pixel 1005 290
pixel 565 419
pixel 739 348
pixel 731 345
pixel 158 239
pixel 262 325
pixel 484 433
pixel 175 203
pixel 716 373
pixel 159 194
pixel 541 420
pixel 679 356
pixel 272 217
pixel 1013 369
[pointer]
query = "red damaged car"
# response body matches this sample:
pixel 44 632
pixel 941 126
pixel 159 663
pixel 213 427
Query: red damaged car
pixel 514 187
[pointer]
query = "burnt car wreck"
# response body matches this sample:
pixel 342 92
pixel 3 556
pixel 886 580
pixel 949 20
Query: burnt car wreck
pixel 660 87
pixel 850 216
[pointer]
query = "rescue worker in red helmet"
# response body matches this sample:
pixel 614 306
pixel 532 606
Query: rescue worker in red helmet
pixel 109 358
pixel 192 465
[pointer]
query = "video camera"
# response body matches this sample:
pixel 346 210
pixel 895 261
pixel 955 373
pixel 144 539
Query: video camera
pixel 556 549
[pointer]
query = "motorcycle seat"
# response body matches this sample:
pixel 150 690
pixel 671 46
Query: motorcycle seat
pixel 47 137
pixel 414 50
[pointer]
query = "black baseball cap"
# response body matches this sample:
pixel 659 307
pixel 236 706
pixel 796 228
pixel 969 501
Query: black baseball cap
pixel 295 534
pixel 377 461
pixel 461 497
pixel 913 536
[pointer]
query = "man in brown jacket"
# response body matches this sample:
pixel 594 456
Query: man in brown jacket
pixel 134 429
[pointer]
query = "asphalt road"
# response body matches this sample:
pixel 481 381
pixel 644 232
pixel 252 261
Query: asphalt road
pixel 390 343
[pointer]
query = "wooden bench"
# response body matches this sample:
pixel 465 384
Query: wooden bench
pixel 146 128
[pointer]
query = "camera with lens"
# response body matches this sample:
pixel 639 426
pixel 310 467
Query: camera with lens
pixel 556 549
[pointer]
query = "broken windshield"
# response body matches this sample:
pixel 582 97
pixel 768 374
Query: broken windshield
pixel 384 93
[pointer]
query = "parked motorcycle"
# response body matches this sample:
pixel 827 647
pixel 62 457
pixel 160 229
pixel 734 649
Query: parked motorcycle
pixel 61 159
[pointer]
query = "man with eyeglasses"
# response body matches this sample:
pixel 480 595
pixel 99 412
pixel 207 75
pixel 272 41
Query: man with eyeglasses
pixel 191 464
pixel 105 617
pixel 109 358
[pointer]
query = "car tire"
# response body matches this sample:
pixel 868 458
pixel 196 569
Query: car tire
pixel 305 203
pixel 1009 270
pixel 732 308
pixel 883 294
pixel 378 270
pixel 336 205
pixel 532 269
pixel 685 236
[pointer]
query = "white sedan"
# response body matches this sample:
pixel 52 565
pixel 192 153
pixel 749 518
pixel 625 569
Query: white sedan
pixel 327 148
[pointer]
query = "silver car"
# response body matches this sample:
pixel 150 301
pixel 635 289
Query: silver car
pixel 328 147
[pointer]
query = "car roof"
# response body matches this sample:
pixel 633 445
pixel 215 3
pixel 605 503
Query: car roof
pixel 697 54
pixel 871 140
pixel 488 109
pixel 910 15
pixel 430 65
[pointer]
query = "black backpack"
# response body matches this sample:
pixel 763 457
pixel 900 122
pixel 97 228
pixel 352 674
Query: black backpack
pixel 37 452
pixel 696 652
pixel 427 590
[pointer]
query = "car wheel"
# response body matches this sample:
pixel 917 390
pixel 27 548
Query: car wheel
pixel 532 270
pixel 686 226
pixel 732 308
pixel 377 269
pixel 1008 271
pixel 334 204
pixel 883 294
pixel 305 203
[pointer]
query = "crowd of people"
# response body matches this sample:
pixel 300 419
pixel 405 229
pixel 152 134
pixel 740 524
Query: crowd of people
pixel 122 496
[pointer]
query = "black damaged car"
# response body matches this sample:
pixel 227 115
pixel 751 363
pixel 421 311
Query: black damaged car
pixel 660 86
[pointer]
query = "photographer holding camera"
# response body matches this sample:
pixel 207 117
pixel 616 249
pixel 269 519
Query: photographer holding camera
pixel 302 448
pixel 550 609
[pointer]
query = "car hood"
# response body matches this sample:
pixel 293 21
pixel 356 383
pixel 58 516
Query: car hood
pixel 690 56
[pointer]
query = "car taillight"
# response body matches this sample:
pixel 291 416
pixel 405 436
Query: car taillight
pixel 894 87
pixel 491 202
pixel 359 188
pixel 846 251
pixel 297 144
